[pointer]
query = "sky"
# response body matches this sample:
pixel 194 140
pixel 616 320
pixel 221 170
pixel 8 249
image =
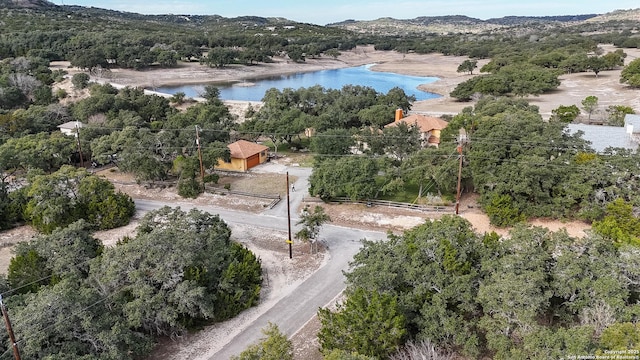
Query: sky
pixel 330 11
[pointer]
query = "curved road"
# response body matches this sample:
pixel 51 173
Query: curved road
pixel 295 309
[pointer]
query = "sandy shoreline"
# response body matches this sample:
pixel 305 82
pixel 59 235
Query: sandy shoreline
pixel 573 89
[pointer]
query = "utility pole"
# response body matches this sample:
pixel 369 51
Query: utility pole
pixel 12 338
pixel 462 139
pixel 289 220
pixel 199 154
pixel 79 148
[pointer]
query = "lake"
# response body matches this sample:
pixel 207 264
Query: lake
pixel 329 79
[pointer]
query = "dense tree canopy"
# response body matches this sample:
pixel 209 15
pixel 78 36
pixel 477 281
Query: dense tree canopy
pixel 517 79
pixel 82 301
pixel 70 194
pixel 352 177
pixel 526 167
pixel 535 294
pixel 631 74
pixel 287 113
pixel 274 346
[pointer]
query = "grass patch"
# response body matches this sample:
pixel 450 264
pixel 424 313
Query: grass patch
pixel 286 148
pixel 407 195
pixel 410 195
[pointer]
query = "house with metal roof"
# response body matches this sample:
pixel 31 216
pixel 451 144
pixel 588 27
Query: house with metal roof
pixel 602 137
pixel 70 128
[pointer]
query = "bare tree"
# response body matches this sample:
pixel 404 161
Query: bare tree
pixel 423 350
pixel 27 84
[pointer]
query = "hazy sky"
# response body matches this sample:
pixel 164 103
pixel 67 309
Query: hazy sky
pixel 328 11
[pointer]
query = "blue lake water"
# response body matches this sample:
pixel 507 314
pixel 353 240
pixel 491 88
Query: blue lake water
pixel 329 79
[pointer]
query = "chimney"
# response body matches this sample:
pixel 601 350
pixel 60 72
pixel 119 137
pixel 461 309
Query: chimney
pixel 399 114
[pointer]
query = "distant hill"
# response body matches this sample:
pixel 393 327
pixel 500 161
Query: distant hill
pixel 522 20
pixel 26 4
pixel 384 26
pixel 465 24
pixel 419 25
pixel 618 15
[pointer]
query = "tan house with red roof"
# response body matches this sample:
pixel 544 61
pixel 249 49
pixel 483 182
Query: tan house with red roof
pixel 430 127
pixel 244 156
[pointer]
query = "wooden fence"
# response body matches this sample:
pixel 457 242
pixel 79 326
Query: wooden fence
pixel 385 203
pixel 275 198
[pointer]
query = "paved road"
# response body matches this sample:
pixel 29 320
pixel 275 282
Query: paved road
pixel 295 309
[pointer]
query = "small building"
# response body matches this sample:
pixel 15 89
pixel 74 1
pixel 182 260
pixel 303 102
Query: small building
pixel 430 127
pixel 70 128
pixel 244 156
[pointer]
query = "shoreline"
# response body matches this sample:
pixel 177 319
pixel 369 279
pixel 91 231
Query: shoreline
pixel 572 90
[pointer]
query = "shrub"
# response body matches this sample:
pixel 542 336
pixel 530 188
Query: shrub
pixel 501 211
pixel 61 94
pixel 80 80
pixel 189 188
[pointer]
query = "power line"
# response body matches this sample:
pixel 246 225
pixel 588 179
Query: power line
pixel 474 139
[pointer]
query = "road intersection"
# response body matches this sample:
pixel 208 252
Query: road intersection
pixel 292 311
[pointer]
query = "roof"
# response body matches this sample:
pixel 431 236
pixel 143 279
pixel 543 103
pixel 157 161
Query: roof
pixel 243 149
pixel 424 123
pixel 632 120
pixel 71 125
pixel 602 137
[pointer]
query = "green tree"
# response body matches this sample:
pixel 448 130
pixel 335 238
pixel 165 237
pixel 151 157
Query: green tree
pixel 621 336
pixel 502 212
pixel 178 98
pixel 619 225
pixel 167 59
pixel 296 53
pixel 590 104
pixel 80 80
pixel 596 64
pixel 399 141
pixel 274 346
pixel 102 206
pixel 220 57
pixel 332 142
pixel 65 253
pixel 614 59
pixel 47 152
pixel 211 94
pixel 71 321
pixel 334 53
pixel 8 207
pixel 377 115
pixel 630 74
pixel 503 163
pixel 433 170
pixel 468 65
pixel 181 269
pixel 565 114
pixel 70 194
pixel 188 169
pixel 348 176
pixel 465 90
pixel 617 114
pixel 433 269
pixel 368 323
pixel 311 224
pixel 27 270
